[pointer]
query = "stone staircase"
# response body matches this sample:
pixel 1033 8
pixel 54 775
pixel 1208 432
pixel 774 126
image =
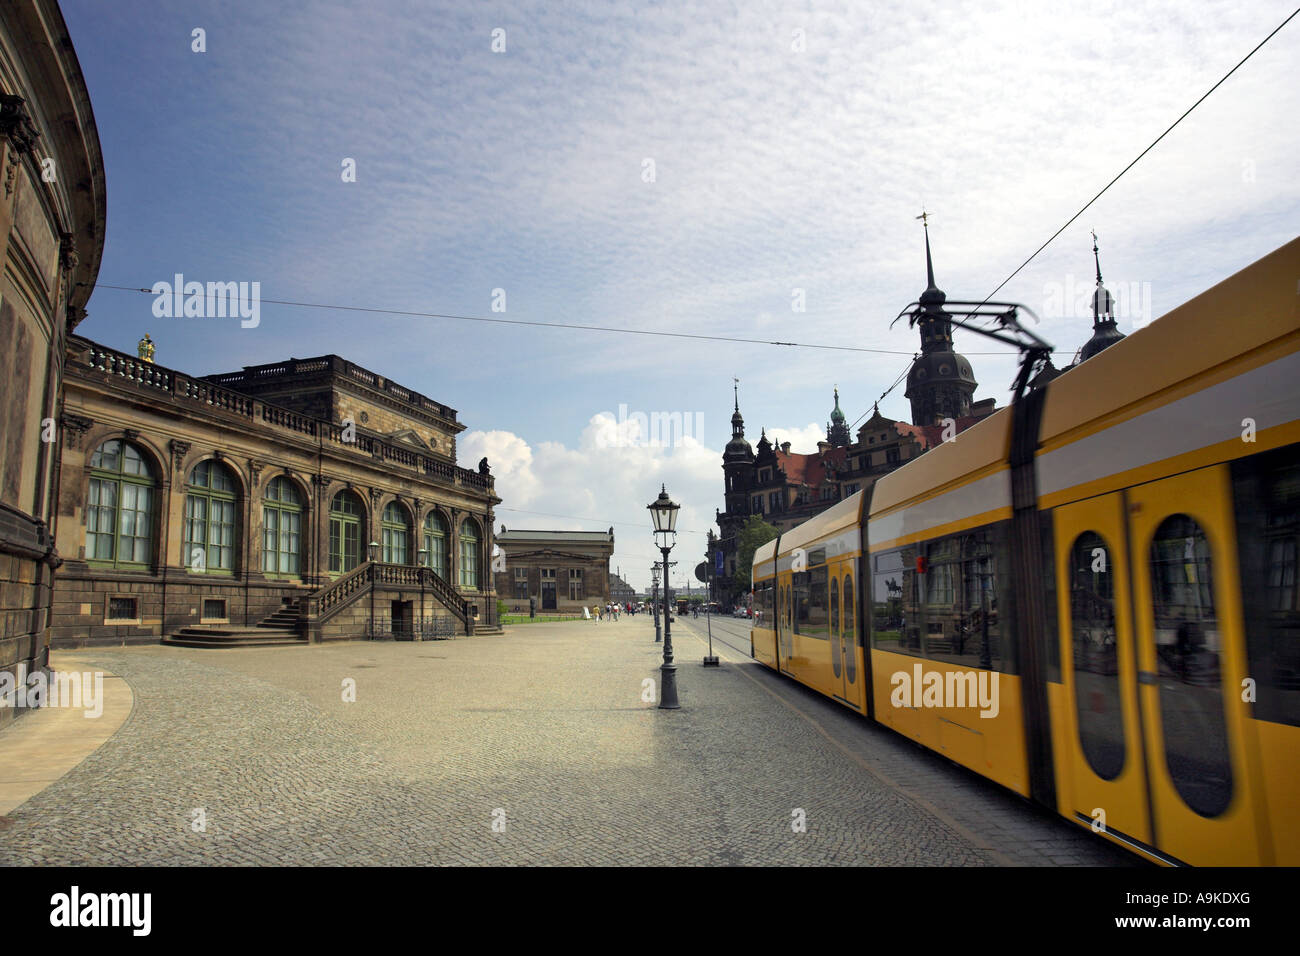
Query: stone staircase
pixel 281 629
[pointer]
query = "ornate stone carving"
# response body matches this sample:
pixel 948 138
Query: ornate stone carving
pixel 16 124
pixel 68 251
pixel 254 470
pixel 131 433
pixel 17 127
pixel 179 450
pixel 74 429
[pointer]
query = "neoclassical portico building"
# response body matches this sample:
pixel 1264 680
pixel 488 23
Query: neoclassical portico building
pixel 307 499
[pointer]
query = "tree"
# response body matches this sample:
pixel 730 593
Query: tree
pixel 753 535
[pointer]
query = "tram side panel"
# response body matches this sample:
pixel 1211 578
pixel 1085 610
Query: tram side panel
pixel 943 650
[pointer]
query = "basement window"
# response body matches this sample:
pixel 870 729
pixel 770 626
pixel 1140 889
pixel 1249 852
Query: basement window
pixel 214 609
pixel 123 609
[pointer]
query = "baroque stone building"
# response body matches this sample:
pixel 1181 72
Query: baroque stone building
pixel 52 214
pixel 304 500
pixel 558 570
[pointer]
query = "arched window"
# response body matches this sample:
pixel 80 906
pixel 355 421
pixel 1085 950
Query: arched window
pixel 396 530
pixel 345 532
pixel 282 528
pixel 435 543
pixel 469 556
pixel 119 506
pixel 210 519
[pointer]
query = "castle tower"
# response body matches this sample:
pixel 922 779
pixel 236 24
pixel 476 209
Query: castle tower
pixel 940 383
pixel 1105 332
pixel 837 431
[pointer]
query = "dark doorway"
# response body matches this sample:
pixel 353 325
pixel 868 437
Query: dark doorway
pixel 403 620
pixel 548 595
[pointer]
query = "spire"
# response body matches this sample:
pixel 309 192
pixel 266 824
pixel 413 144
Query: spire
pixel 1105 331
pixel 1103 303
pixel 933 296
pixel 836 414
pixel 735 391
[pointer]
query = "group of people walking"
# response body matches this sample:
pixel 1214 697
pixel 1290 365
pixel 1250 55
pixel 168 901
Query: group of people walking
pixel 611 611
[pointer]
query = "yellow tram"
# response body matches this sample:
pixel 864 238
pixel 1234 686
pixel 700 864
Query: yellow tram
pixel 1091 596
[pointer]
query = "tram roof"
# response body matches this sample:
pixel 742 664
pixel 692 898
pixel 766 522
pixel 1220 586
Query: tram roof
pixel 838 517
pixel 1245 311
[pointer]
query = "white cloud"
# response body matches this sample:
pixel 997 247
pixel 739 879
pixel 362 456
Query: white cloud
pixel 607 479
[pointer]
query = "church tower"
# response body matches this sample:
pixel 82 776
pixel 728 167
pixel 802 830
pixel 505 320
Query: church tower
pixel 940 383
pixel 1105 332
pixel 837 432
pixel 737 464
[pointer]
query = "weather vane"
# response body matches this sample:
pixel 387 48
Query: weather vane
pixel 924 217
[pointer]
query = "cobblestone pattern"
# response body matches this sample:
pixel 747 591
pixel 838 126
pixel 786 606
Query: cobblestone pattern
pixel 1016 831
pixel 544 729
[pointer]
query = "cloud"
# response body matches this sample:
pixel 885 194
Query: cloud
pixel 607 478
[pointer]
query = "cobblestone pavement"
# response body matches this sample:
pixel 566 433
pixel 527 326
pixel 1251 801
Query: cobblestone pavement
pixel 542 732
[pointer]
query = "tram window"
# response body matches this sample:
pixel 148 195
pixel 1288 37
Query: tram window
pixel 850 622
pixel 1095 652
pixel 964 618
pixel 835 606
pixel 1266 489
pixel 815 610
pixel 798 600
pixel 1187 653
pixel 891 581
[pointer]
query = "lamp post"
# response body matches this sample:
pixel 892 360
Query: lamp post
pixel 664 511
pixel 654 599
pixel 374 581
pixel 423 556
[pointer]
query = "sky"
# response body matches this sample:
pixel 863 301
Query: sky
pixel 738 170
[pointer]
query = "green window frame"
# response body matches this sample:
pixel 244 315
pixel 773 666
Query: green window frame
pixel 435 543
pixel 395 534
pixel 210 519
pixel 282 528
pixel 469 554
pixel 345 532
pixel 120 503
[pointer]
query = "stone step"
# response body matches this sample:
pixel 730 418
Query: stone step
pixel 234 637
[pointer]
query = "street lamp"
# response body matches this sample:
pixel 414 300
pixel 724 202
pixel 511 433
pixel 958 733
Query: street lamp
pixel 664 511
pixel 374 582
pixel 654 598
pixel 422 557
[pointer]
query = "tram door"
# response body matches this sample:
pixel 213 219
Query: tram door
pixel 1152 662
pixel 844 636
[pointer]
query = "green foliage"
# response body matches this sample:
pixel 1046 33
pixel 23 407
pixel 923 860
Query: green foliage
pixel 753 535
pixel 501 609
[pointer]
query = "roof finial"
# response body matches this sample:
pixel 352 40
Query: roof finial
pixel 929 265
pixel 735 388
pixel 1095 256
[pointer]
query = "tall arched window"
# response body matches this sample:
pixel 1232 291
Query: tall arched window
pixel 282 528
pixel 210 519
pixel 435 543
pixel 345 532
pixel 396 530
pixel 469 554
pixel 119 506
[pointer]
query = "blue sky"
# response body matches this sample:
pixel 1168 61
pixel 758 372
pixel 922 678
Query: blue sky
pixel 793 147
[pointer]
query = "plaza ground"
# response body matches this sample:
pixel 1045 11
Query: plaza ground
pixel 536 747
